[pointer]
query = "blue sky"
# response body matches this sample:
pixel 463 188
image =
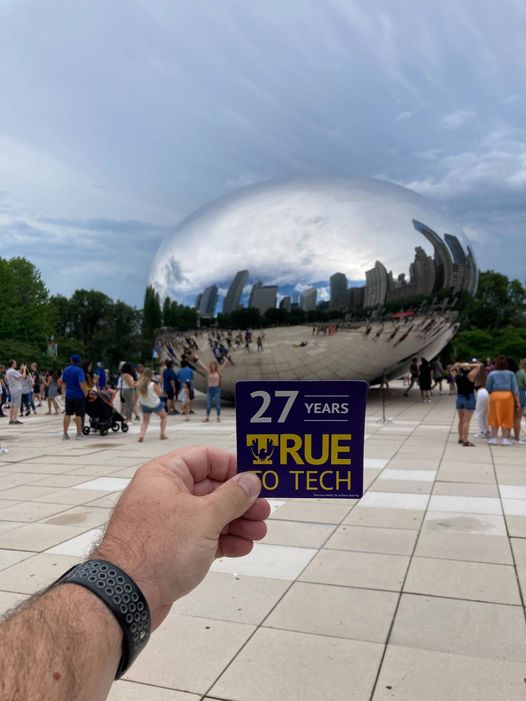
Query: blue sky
pixel 119 119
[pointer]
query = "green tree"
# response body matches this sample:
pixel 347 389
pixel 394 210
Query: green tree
pixel 152 317
pixel 499 302
pixel 26 316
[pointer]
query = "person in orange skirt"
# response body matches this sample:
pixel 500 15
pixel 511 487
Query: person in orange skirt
pixel 503 400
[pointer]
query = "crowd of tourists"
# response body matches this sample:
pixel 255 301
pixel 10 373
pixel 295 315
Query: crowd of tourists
pixel 495 390
pixel 138 391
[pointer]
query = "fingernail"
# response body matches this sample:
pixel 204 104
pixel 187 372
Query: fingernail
pixel 250 483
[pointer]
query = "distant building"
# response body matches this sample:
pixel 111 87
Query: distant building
pixel 443 260
pixel 376 285
pixel 285 304
pixel 423 272
pixel 356 297
pixel 207 305
pixel 198 300
pixel 308 299
pixel 264 297
pixel 257 286
pixel 456 249
pixel 233 296
pixel 339 290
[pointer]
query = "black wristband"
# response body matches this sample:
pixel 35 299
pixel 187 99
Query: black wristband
pixel 124 599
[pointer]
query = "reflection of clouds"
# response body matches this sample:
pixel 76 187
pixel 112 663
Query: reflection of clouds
pixel 297 232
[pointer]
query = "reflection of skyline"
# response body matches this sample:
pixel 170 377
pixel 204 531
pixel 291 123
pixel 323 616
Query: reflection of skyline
pixel 450 269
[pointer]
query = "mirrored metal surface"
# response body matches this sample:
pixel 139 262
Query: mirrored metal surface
pixel 359 248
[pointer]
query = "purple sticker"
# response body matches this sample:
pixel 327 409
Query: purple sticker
pixel 303 439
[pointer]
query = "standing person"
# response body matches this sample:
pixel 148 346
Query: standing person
pixel 213 393
pixel 139 372
pixel 465 374
pixel 517 414
pixel 90 378
pixel 503 399
pixel 101 375
pixel 438 374
pixel 27 402
pixel 521 383
pixel 37 383
pixel 170 386
pixel 14 380
pixel 3 391
pixel 128 379
pixel 75 390
pixel 424 379
pixel 413 375
pixel 482 398
pixel 259 342
pixel 184 398
pixel 186 374
pixel 149 394
pixel 52 388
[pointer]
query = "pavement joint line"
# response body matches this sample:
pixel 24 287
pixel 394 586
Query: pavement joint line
pixel 400 594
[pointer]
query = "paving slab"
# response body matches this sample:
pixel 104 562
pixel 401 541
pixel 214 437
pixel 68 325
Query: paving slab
pixel 279 665
pixel 409 674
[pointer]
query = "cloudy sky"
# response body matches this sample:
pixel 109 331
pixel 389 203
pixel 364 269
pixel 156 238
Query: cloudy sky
pixel 119 119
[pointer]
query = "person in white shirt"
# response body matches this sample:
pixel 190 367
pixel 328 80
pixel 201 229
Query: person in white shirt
pixel 150 398
pixel 15 379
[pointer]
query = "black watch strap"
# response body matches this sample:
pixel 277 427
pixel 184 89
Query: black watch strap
pixel 124 599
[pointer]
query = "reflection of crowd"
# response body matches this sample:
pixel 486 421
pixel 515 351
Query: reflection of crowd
pixel 495 391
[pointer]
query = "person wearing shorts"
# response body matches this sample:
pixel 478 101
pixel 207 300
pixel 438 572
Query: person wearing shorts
pixel 74 380
pixel 151 403
pixel 465 374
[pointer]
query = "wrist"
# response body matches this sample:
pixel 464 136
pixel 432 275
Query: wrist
pixel 102 622
pixel 133 566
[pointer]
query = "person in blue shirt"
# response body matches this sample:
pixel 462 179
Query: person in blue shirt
pixel 101 374
pixel 75 389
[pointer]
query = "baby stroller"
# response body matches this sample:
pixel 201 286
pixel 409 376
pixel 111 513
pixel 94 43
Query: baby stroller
pixel 103 416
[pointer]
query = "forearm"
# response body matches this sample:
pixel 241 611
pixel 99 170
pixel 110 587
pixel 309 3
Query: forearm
pixel 65 644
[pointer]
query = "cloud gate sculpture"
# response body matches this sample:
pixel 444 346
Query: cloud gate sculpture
pixel 351 279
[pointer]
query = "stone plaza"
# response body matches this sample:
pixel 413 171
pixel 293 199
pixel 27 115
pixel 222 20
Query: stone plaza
pixel 416 592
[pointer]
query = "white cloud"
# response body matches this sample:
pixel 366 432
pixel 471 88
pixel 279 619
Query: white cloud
pixel 495 165
pixel 457 119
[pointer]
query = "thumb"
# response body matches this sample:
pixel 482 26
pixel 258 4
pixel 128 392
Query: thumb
pixel 235 496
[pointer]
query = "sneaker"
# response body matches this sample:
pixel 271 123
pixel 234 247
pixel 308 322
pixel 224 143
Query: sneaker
pixel 65 437
pixel 17 422
pixel 505 441
pixel 218 419
pixel 492 441
pixel 206 420
pixel 3 450
pixel 79 436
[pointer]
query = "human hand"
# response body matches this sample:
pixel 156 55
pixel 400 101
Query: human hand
pixel 179 512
